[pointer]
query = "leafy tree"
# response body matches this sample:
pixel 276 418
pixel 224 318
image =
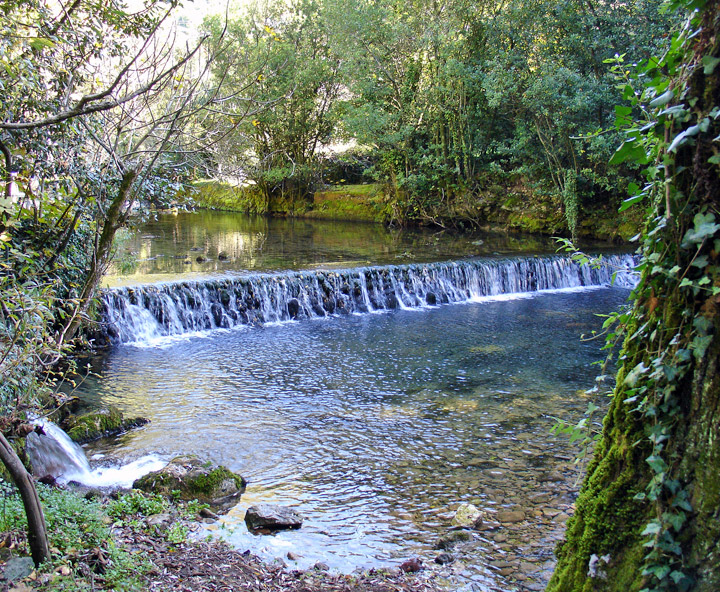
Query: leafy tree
pixel 648 514
pixel 284 50
pixel 94 99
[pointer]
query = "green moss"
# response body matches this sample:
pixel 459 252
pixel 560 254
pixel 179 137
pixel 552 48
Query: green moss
pixel 185 477
pixel 608 519
pixel 218 195
pixel 348 202
pixel 208 483
pixel 94 425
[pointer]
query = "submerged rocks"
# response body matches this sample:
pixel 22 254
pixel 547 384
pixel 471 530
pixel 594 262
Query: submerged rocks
pixel 450 539
pixel 466 516
pixel 187 477
pixel 267 517
pixel 99 424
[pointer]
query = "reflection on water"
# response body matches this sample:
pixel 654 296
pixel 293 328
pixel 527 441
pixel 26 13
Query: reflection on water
pixel 378 426
pixel 208 243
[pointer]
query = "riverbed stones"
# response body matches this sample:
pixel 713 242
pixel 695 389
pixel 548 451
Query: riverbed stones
pixel 99 424
pixel 466 516
pixel 510 516
pixel 269 517
pixel 187 478
pixel 450 539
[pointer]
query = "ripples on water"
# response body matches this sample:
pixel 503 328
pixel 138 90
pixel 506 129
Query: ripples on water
pixel 374 426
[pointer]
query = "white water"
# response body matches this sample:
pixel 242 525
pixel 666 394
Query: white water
pixel 149 315
pixel 55 454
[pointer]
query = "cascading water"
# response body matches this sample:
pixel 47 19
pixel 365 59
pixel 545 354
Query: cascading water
pixel 144 314
pixel 55 454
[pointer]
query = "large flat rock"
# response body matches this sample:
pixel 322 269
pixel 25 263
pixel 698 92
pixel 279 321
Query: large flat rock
pixel 270 517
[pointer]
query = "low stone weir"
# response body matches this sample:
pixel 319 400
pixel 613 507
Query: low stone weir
pixel 144 313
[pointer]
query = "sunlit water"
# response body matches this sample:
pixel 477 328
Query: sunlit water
pixel 190 245
pixel 376 426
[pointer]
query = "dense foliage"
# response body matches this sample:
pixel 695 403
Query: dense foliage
pixel 448 99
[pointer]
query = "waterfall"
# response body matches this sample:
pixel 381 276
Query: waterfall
pixel 144 314
pixel 55 454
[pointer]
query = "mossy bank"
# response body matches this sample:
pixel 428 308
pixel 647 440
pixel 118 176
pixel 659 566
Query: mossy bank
pixel 516 208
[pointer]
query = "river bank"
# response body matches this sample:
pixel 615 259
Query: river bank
pixel 517 208
pixel 132 541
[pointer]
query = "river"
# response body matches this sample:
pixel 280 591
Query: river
pixel 378 423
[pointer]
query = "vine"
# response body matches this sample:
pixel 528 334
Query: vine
pixel 679 269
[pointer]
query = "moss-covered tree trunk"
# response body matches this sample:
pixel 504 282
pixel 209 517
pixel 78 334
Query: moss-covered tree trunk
pixel 648 514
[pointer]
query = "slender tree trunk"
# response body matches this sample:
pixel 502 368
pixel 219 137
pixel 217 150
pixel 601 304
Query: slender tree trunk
pixel 113 220
pixel 37 532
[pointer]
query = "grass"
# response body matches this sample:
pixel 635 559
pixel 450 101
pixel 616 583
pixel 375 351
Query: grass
pixel 84 553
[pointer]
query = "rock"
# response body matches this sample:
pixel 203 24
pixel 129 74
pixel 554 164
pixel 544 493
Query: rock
pixel 293 307
pixel 484 526
pixel 444 558
pixel 99 424
pixel 293 556
pixel 222 256
pixel 511 516
pixel 430 298
pixel 18 568
pixel 449 540
pixel 561 518
pixel 207 513
pixel 411 565
pixel 200 259
pixel 188 478
pixel 270 517
pixel 466 515
pixel 160 520
pixel 320 566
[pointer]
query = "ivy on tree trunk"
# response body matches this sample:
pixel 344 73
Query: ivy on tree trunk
pixel 648 514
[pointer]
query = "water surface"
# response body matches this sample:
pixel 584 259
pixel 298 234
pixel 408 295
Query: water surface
pixel 377 426
pixel 200 244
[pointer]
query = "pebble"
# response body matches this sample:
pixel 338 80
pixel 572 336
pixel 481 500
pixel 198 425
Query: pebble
pixel 562 518
pixel 511 516
pixel 320 566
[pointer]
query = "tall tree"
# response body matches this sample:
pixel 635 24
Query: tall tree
pixel 93 96
pixel 283 50
pixel 648 515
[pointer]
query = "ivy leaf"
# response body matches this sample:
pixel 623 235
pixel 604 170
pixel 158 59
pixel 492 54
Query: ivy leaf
pixel 656 463
pixel 709 63
pixel 704 227
pixel 653 528
pixel 634 374
pixel 663 99
pixel 630 150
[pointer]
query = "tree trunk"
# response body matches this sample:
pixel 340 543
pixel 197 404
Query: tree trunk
pixel 113 220
pixel 37 532
pixel 674 332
